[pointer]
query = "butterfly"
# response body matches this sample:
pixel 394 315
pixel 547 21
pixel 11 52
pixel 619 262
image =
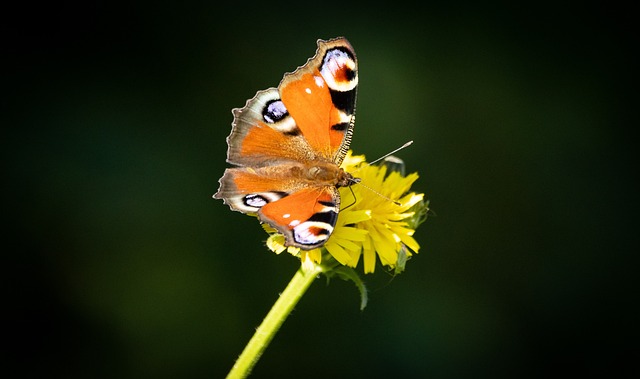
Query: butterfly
pixel 288 144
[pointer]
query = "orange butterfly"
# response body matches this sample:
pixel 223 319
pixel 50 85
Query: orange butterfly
pixel 288 143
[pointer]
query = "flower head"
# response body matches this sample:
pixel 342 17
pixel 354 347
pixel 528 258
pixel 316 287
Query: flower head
pixel 378 217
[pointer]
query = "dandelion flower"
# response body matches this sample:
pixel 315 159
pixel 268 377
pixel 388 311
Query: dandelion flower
pixel 391 205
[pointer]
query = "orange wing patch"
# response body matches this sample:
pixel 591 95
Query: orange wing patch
pixel 308 100
pixel 261 141
pixel 297 207
pixel 306 218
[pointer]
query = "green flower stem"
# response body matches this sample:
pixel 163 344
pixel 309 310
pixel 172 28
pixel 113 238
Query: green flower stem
pixel 270 325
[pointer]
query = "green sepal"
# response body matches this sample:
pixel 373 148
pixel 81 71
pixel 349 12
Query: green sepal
pixel 348 273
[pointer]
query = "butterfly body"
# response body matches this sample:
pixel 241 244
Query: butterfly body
pixel 288 144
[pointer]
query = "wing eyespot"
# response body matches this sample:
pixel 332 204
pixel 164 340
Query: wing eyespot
pixel 274 111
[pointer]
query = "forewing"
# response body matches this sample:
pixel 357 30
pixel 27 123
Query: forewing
pixel 264 133
pixel 321 96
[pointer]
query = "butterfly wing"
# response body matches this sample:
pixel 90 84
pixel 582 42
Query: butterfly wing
pixel 306 218
pixel 264 133
pixel 321 98
pixel 310 116
pixel 279 137
pixel 304 214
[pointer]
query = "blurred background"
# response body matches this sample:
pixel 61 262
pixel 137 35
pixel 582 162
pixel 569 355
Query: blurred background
pixel 119 264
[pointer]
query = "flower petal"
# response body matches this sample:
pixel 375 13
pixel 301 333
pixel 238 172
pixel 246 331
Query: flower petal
pixel 338 253
pixel 354 217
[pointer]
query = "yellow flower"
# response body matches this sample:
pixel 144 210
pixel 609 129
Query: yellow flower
pixel 375 220
pixel 389 231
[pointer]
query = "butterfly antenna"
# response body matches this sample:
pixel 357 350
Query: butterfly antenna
pixel 378 160
pixel 379 194
pixel 391 153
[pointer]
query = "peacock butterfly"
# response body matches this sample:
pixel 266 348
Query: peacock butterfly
pixel 288 144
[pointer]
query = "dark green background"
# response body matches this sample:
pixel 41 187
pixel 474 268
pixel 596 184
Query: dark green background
pixel 120 265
